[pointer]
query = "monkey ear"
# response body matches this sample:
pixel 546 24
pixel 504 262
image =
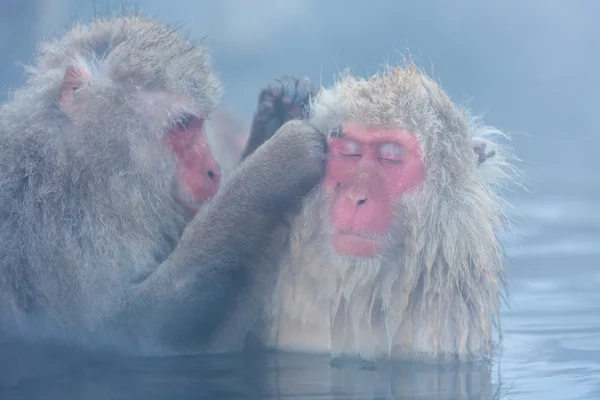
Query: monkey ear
pixel 481 150
pixel 74 78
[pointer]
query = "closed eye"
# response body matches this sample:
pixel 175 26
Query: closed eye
pixel 348 148
pixel 392 153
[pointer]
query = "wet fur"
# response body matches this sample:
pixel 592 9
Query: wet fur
pixel 435 292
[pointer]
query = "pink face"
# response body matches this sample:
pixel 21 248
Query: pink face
pixel 367 171
pixel 199 173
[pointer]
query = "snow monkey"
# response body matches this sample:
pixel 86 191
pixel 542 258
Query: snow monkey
pixel 395 253
pixel 113 234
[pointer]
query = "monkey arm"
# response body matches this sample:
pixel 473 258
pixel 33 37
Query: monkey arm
pixel 211 287
pixel 210 276
pixel 264 123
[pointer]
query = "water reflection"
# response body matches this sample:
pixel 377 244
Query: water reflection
pixel 293 375
pixel 42 372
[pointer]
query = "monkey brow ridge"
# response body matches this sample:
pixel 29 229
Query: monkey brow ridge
pixel 337 133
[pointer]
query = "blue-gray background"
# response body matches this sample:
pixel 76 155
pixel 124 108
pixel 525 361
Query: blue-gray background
pixel 530 67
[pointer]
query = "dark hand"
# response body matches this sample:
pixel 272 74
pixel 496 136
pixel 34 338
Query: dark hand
pixel 282 100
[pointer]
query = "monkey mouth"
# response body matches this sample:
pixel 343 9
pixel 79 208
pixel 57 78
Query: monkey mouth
pixel 190 204
pixel 189 207
pixel 355 244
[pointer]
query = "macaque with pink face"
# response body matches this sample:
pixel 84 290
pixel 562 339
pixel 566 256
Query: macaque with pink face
pixel 394 254
pixel 116 231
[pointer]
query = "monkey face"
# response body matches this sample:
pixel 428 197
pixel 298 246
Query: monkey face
pixel 149 88
pixel 368 171
pixel 199 174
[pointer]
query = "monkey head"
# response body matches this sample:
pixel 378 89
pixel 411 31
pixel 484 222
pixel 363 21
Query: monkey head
pixel 144 90
pixel 402 174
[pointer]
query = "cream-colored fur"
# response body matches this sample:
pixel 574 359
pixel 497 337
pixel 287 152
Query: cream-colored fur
pixel 435 290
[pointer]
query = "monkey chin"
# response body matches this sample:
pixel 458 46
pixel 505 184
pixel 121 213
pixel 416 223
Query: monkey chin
pixel 189 207
pixel 191 204
pixel 353 245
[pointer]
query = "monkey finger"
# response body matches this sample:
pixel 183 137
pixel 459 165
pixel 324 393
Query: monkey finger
pixel 302 93
pixel 275 89
pixel 271 91
pixel 265 110
pixel 304 90
pixel 289 86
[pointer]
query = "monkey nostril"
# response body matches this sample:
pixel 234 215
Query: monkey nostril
pixel 361 202
pixel 211 174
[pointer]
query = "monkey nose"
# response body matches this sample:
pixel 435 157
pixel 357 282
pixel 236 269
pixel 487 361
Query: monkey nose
pixel 361 201
pixel 214 176
pixel 213 171
pixel 357 198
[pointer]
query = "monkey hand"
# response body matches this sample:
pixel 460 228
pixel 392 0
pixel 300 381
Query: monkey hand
pixel 284 99
pixel 290 164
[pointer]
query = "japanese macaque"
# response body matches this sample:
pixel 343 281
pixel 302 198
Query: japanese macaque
pixel 113 230
pixel 395 253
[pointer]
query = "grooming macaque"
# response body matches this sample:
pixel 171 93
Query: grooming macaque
pixel 112 231
pixel 395 253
